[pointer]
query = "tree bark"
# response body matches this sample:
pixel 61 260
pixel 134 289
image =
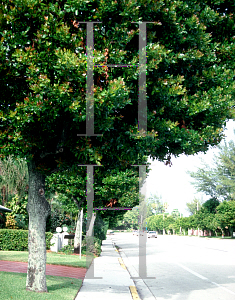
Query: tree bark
pixel 38 209
pixel 77 234
pixel 91 225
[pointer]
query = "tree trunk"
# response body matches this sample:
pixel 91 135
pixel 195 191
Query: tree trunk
pixel 91 225
pixel 77 234
pixel 38 209
pixel 3 195
pixel 231 232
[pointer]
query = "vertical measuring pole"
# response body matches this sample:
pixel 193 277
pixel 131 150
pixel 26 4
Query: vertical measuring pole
pixel 90 212
pixel 81 219
pixel 142 225
pixel 142 105
pixel 90 218
pixel 90 81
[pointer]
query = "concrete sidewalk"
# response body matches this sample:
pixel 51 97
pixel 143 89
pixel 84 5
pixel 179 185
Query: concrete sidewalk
pixel 115 284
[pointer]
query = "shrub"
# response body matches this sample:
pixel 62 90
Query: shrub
pixel 68 249
pixel 17 239
pixel 22 221
pixel 11 222
pixel 95 249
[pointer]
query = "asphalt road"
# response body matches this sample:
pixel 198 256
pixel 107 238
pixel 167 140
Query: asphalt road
pixel 180 268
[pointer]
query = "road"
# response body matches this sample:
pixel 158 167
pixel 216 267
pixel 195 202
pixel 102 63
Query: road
pixel 181 268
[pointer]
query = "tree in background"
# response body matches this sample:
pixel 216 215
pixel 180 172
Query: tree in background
pixel 217 180
pixel 175 213
pixel 156 204
pixel 121 185
pixel 160 223
pixel 129 220
pixel 43 68
pixel 210 205
pixel 194 205
pixel 226 216
pixel 225 170
pixel 184 224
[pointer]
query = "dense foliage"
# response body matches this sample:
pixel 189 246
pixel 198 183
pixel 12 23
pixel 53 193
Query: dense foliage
pixel 43 68
pixel 17 240
pixel 190 73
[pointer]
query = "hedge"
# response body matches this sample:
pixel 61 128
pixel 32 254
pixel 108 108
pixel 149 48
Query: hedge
pixel 17 239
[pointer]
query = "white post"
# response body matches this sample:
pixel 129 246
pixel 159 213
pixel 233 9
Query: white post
pixel 58 230
pixel 81 217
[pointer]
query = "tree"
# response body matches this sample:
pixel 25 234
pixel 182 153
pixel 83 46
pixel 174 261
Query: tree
pixel 184 223
pixel 217 180
pixel 43 69
pixel 131 217
pixel 193 206
pixel 211 205
pixel 156 204
pixel 226 215
pixel 175 214
pixel 225 169
pixel 120 185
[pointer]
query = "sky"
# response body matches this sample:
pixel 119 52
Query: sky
pixel 172 184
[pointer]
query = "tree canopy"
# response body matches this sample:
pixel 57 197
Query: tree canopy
pixel 194 205
pixel 190 71
pixel 43 68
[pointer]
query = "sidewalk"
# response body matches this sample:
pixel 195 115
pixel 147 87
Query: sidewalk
pixel 115 284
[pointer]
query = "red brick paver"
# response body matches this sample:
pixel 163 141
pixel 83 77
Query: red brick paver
pixel 54 270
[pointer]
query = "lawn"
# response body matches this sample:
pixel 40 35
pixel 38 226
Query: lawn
pixel 218 237
pixel 53 258
pixel 12 286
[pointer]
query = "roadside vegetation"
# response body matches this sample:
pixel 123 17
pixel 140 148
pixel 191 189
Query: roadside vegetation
pixel 12 286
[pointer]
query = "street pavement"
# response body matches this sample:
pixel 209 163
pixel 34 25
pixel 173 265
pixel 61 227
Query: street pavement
pixel 185 268
pixel 107 279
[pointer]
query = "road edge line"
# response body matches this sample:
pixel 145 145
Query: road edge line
pixel 122 263
pixel 134 293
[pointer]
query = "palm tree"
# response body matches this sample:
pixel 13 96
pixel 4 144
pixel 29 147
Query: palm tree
pixel 13 177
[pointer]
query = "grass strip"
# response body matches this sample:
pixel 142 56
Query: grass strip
pixel 13 286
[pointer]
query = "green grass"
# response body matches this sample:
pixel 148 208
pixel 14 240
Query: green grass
pixel 218 237
pixel 13 286
pixel 53 258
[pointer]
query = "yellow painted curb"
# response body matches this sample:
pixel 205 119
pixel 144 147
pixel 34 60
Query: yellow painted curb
pixel 134 293
pixel 122 263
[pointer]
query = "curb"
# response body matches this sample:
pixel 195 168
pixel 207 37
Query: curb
pixel 134 293
pixel 122 263
pixel 132 288
pixel 139 283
